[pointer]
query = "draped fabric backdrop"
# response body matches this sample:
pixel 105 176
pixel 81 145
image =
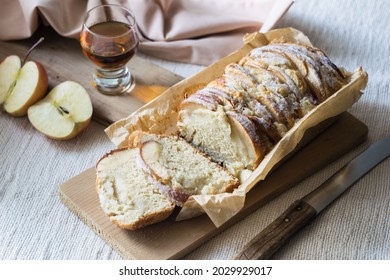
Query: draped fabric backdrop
pixel 195 31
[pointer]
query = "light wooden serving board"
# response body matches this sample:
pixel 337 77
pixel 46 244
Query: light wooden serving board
pixel 172 240
pixel 63 60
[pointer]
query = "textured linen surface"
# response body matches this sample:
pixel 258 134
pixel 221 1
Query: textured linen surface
pixel 195 31
pixel 35 225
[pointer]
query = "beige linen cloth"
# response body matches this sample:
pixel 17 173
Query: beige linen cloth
pixel 194 31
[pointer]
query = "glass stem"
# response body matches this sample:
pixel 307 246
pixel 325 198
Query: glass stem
pixel 113 81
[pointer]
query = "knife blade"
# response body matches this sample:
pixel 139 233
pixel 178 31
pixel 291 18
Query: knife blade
pixel 304 210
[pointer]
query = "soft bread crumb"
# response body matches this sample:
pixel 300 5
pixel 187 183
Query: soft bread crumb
pixel 178 165
pixel 211 132
pixel 125 193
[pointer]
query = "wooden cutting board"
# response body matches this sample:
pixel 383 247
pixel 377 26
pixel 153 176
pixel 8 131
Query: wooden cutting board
pixel 172 240
pixel 63 60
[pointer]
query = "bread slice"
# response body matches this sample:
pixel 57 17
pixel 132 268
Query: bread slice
pixel 318 66
pixel 262 120
pixel 220 95
pixel 286 70
pixel 269 83
pixel 251 107
pixel 331 75
pixel 181 170
pixel 228 137
pixel 266 95
pixel 204 101
pixel 305 65
pixel 255 63
pixel 263 58
pixel 125 193
pixel 302 96
pixel 299 98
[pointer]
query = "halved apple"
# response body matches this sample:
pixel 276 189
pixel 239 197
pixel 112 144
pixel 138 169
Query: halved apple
pixel 63 113
pixel 21 85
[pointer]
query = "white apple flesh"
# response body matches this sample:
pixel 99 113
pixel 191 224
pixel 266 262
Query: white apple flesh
pixel 9 70
pixel 21 86
pixel 63 113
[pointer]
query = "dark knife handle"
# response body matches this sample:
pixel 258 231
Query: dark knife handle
pixel 267 242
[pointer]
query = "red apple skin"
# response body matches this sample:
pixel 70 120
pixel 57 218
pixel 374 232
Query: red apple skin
pixel 39 93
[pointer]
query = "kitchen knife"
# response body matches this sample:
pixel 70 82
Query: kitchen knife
pixel 302 211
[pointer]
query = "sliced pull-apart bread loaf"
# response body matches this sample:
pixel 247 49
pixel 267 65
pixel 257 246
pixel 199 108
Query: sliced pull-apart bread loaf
pixel 237 118
pixel 225 129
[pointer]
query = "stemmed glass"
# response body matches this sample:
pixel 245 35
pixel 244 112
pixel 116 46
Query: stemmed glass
pixel 109 39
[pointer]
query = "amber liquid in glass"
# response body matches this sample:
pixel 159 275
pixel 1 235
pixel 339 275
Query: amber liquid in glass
pixel 109 44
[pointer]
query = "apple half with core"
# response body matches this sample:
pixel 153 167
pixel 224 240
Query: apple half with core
pixel 21 84
pixel 63 113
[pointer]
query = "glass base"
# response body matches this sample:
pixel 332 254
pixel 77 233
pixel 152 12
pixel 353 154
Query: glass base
pixel 113 82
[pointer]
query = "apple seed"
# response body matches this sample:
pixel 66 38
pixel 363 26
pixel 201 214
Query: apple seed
pixel 62 110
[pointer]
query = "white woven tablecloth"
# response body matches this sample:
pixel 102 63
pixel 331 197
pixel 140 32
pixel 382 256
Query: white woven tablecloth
pixel 34 224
